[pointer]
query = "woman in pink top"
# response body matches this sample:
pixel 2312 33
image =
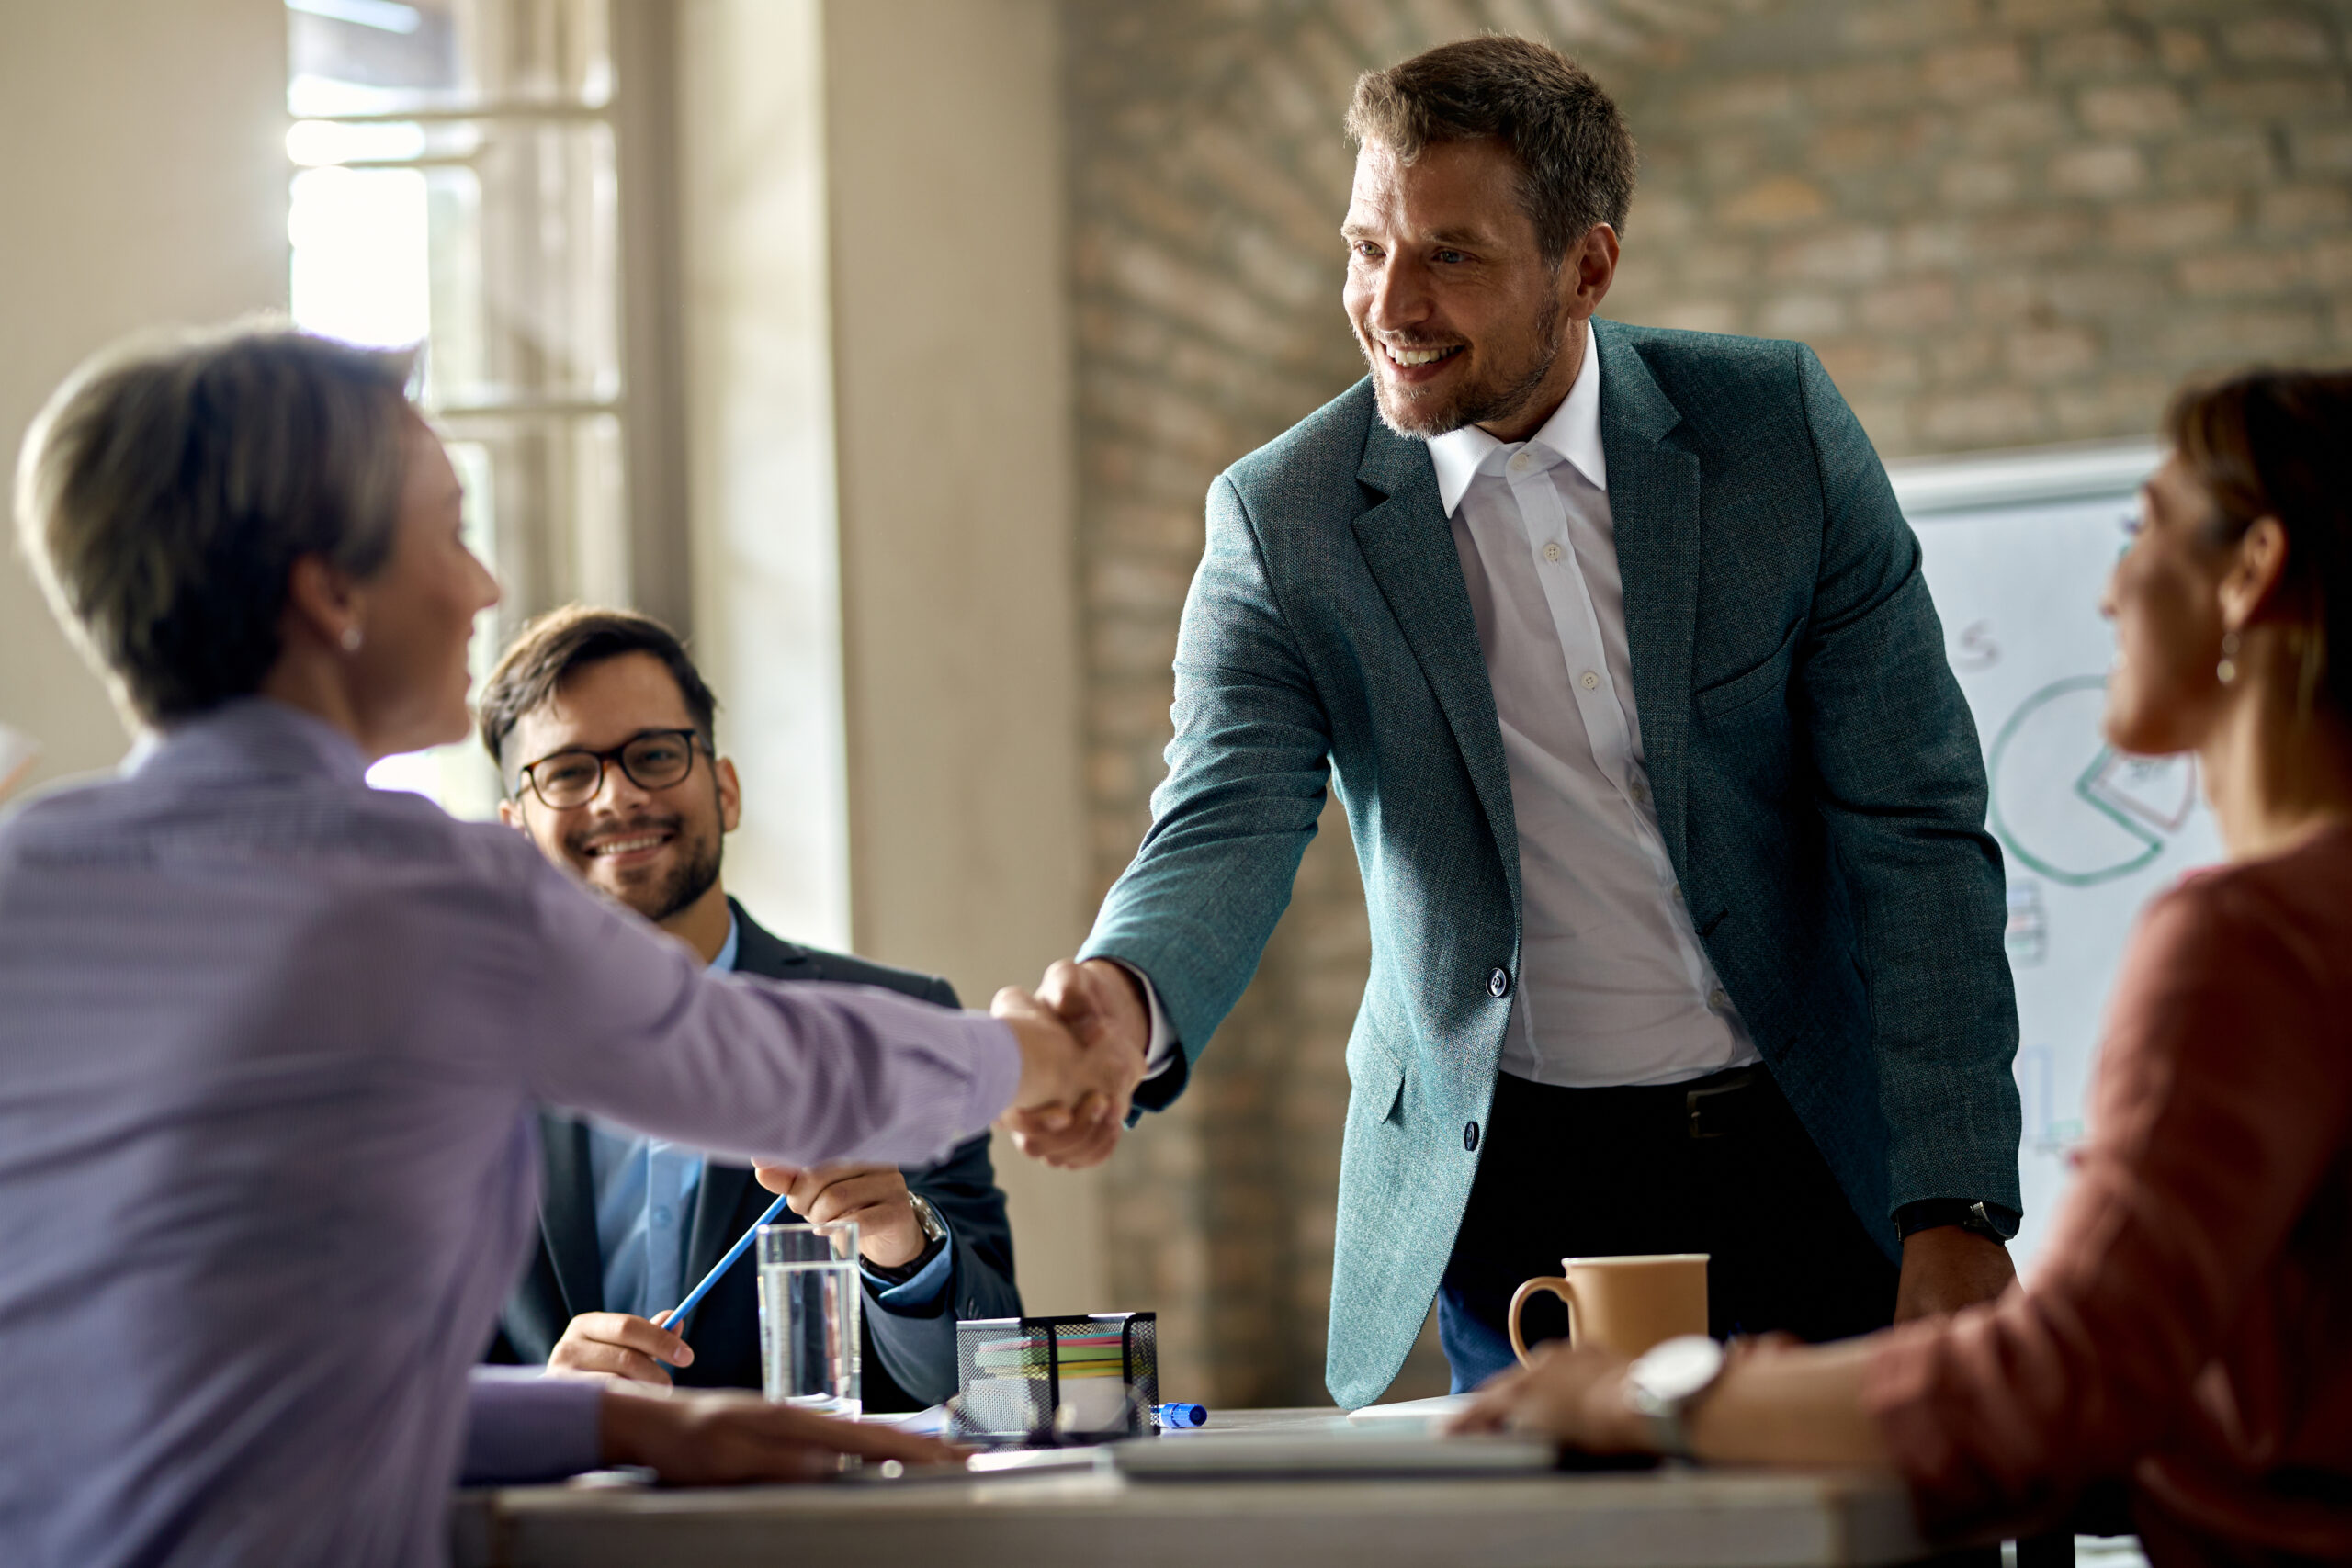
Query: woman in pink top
pixel 2187 1334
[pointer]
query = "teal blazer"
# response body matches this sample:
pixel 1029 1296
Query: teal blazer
pixel 1816 773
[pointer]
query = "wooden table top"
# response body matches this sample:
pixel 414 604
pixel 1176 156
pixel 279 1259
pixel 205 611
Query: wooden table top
pixel 1671 1517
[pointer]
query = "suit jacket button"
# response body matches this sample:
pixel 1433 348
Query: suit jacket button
pixel 1498 983
pixel 1470 1136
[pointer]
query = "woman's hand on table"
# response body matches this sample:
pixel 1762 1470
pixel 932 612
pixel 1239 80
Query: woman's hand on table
pixel 1576 1394
pixel 732 1439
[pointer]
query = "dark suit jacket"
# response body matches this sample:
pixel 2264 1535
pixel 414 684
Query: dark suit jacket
pixel 909 1357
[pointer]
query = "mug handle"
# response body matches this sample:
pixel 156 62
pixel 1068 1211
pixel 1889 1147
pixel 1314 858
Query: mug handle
pixel 1558 1287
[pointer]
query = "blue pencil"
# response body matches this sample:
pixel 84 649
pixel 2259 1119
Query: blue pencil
pixel 677 1321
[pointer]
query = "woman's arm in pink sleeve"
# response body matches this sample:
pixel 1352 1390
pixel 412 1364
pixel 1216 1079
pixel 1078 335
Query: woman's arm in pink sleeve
pixel 2220 1101
pixel 630 1027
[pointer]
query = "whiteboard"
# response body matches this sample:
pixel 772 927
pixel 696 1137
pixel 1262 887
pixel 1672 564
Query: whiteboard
pixel 2016 550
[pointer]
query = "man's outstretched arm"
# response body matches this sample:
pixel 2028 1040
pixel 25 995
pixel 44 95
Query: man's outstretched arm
pixel 1182 931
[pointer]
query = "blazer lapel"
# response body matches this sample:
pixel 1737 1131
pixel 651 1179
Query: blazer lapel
pixel 1409 545
pixel 1653 502
pixel 567 1213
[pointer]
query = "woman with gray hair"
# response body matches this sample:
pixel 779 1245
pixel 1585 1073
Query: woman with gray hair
pixel 271 1039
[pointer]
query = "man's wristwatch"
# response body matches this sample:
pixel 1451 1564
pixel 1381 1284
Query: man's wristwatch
pixel 934 1236
pixel 1991 1221
pixel 1665 1382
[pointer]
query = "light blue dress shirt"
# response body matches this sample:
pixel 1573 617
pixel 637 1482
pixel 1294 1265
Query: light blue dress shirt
pixel 645 1201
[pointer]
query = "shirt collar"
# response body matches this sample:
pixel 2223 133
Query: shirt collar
pixel 1572 432
pixel 725 963
pixel 249 738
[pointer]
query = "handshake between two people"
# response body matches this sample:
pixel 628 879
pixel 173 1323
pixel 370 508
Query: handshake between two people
pixel 1085 1035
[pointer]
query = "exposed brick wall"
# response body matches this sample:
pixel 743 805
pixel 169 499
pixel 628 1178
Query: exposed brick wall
pixel 2000 222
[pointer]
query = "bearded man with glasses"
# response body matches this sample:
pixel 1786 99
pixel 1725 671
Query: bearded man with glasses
pixel 603 730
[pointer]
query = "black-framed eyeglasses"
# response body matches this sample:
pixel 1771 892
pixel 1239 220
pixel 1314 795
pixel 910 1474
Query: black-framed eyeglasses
pixel 655 759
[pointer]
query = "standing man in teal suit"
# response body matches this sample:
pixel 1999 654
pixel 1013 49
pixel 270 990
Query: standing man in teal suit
pixel 1686 929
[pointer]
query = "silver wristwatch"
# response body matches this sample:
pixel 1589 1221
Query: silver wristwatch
pixel 1665 1382
pixel 934 1229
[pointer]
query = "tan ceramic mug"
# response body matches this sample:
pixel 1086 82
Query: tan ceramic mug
pixel 1626 1305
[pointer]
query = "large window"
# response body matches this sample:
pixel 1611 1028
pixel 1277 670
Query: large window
pixel 457 183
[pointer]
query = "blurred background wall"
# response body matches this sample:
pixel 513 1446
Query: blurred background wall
pixel 931 320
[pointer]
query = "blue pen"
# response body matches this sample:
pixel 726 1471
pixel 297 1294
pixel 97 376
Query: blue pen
pixel 677 1321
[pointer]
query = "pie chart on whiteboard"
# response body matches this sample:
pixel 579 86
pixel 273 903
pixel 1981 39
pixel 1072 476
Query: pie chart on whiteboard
pixel 2071 806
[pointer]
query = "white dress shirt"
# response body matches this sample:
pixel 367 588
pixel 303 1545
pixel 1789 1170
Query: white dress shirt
pixel 1613 987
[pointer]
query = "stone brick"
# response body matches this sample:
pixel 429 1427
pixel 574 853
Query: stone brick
pixel 1741 100
pixel 1775 203
pixel 2009 125
pixel 2140 110
pixel 2093 52
pixel 2045 354
pixel 1864 86
pixel 2035 235
pixel 1889 24
pixel 2328 263
pixel 2001 417
pixel 1700 316
pixel 2038 16
pixel 1967 74
pixel 1852 255
pixel 2171 225
pixel 2322 150
pixel 2102 173
pixel 2198 340
pixel 2264 98
pixel 2228 158
pixel 1802 316
pixel 2277 38
pixel 1869 365
pixel 1910 304
pixel 2182 51
pixel 2221 274
pixel 2298 209
pixel 1978 182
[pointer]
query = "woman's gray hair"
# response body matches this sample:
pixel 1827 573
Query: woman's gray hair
pixel 168 486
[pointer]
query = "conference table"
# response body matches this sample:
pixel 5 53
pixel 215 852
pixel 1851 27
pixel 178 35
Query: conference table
pixel 1673 1517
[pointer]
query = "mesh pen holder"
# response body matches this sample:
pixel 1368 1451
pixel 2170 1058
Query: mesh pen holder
pixel 1056 1381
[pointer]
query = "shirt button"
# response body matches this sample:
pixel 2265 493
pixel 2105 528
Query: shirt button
pixel 1470 1136
pixel 1551 552
pixel 1518 464
pixel 1589 681
pixel 1498 983
pixel 662 1216
pixel 1639 790
pixel 1719 999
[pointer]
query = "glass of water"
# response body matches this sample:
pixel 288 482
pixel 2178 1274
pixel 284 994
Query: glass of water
pixel 809 1304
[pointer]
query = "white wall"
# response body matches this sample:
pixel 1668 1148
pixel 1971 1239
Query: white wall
pixel 144 183
pixel 951 383
pixel 880 460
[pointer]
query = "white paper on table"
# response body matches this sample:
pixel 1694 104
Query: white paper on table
pixel 1413 1409
pixel 17 750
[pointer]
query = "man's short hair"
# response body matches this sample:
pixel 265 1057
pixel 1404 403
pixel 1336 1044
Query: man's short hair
pixel 168 486
pixel 1575 157
pixel 559 644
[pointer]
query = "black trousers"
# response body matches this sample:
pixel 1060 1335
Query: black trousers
pixel 1718 1165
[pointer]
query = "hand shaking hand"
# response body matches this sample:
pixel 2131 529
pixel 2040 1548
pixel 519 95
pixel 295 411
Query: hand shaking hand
pixel 1083 1040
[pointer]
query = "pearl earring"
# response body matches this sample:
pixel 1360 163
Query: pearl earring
pixel 353 637
pixel 2227 669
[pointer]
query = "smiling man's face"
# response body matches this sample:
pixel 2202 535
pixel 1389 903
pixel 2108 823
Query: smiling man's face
pixel 657 850
pixel 1461 318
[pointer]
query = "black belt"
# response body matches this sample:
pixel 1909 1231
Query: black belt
pixel 1727 1105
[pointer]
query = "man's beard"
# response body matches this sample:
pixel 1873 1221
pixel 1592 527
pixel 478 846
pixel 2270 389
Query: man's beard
pixel 1482 403
pixel 695 876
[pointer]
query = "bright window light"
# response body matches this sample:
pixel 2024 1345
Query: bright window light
pixel 361 268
